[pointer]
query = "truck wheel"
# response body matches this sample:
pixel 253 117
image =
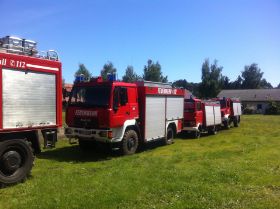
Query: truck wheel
pixel 235 122
pixel 212 130
pixel 226 124
pixel 195 134
pixel 169 136
pixel 16 160
pixel 130 142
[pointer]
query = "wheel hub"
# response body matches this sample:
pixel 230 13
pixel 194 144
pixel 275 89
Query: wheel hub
pixel 11 161
pixel 131 143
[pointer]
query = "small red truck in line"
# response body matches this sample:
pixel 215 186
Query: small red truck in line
pixel 30 100
pixel 201 116
pixel 124 114
pixel 209 116
pixel 230 111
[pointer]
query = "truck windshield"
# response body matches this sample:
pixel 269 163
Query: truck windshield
pixel 97 96
pixel 189 107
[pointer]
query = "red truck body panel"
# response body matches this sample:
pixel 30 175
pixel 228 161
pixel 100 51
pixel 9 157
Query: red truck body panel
pixel 27 64
pixel 155 92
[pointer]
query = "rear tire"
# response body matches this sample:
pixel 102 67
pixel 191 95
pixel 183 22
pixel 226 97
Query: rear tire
pixel 16 161
pixel 169 136
pixel 130 142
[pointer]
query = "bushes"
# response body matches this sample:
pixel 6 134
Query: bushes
pixel 248 111
pixel 273 109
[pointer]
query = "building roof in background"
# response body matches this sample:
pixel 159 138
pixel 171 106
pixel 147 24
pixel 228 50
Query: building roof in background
pixel 252 94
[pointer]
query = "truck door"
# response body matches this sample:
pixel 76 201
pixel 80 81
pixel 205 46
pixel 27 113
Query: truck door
pixel 121 106
pixel 198 112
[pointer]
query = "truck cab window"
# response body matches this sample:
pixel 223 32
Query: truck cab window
pixel 90 96
pixel 116 98
pixel 189 106
pixel 123 96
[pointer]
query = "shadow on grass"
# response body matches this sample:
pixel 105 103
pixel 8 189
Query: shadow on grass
pixel 101 152
pixel 75 154
pixel 188 136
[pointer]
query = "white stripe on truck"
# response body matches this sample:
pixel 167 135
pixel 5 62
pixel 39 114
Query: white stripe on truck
pixel 42 67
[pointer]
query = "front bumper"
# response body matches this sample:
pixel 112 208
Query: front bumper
pixel 89 134
pixel 190 129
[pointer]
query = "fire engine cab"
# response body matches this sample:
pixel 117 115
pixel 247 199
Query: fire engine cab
pixel 124 114
pixel 30 100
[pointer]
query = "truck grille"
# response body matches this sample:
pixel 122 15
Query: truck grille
pixel 86 123
pixel 188 124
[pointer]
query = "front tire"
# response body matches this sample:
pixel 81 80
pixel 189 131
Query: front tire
pixel 226 124
pixel 130 142
pixel 16 161
pixel 213 130
pixel 196 134
pixel 236 121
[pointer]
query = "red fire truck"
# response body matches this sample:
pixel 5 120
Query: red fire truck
pixel 201 116
pixel 230 111
pixel 124 114
pixel 30 100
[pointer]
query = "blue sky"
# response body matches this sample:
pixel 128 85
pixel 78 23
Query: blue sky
pixel 179 34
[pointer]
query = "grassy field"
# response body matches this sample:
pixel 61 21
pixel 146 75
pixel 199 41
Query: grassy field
pixel 238 168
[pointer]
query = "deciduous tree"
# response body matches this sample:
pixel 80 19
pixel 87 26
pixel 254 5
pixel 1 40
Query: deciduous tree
pixel 183 83
pixel 108 68
pixel 130 75
pixel 265 84
pixel 251 76
pixel 211 79
pixel 152 72
pixel 83 71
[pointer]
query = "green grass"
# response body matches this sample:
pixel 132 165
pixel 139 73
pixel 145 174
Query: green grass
pixel 238 168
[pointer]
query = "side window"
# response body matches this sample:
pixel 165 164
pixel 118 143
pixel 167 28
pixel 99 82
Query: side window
pixel 123 96
pixel 120 97
pixel 198 106
pixel 116 97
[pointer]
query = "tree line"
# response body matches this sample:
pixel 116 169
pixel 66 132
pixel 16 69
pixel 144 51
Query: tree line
pixel 212 79
pixel 151 72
